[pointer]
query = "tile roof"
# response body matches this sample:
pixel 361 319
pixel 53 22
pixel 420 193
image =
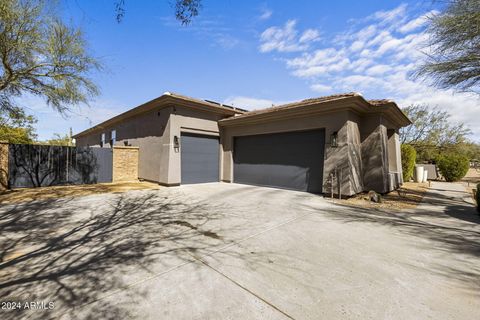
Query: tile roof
pixel 380 102
pixel 297 104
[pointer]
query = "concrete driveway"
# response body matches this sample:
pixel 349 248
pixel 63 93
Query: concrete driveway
pixel 226 251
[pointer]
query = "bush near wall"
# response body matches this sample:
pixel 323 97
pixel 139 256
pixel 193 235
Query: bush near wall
pixel 453 167
pixel 409 156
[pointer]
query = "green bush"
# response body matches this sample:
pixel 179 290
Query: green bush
pixel 409 156
pixel 453 167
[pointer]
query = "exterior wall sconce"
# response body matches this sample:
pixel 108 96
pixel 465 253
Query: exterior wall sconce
pixel 176 142
pixel 334 140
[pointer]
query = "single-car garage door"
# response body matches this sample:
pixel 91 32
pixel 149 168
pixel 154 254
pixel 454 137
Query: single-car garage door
pixel 200 158
pixel 290 160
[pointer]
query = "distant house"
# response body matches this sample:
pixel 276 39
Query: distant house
pixel 298 146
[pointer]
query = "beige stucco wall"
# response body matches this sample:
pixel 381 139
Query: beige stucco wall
pixel 3 165
pixel 145 131
pixel 153 133
pixel 374 153
pixel 125 164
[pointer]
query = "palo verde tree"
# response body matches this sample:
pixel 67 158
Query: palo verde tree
pixel 431 125
pixel 454 61
pixel 42 56
pixel 17 127
pixel 433 132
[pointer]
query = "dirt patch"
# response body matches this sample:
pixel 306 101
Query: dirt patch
pixel 407 197
pixel 29 194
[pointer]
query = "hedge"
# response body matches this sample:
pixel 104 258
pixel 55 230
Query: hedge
pixel 453 167
pixel 409 157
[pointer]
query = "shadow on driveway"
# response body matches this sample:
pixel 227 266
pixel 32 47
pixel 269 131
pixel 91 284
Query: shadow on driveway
pixel 71 252
pixel 444 223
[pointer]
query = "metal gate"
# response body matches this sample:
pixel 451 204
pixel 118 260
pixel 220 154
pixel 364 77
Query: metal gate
pixel 44 165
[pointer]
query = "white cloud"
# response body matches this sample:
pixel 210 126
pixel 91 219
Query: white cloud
pixel 214 31
pixel 266 14
pixel 378 69
pixel 356 82
pixel 413 25
pixel 251 103
pixel 390 15
pixel 357 45
pixel 226 41
pixel 318 87
pixel 366 33
pixel 286 39
pixel 377 56
pixel 309 35
pixel 360 64
pixel 416 23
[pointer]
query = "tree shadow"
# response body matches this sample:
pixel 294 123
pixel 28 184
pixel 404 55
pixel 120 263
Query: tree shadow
pixel 46 165
pixel 444 234
pixel 72 252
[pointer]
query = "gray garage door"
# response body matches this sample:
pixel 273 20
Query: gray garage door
pixel 291 160
pixel 200 158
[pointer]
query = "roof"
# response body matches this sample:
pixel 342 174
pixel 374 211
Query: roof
pixel 295 104
pixel 238 115
pixel 168 98
pixel 369 106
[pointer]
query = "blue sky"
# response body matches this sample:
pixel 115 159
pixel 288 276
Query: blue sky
pixel 254 54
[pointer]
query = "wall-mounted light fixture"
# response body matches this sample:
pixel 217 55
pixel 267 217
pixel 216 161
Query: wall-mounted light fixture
pixel 334 140
pixel 176 142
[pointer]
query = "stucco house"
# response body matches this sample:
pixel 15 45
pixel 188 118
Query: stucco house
pixel 298 146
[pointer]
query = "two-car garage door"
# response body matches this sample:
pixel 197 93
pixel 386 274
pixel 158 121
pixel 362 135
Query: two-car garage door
pixel 290 160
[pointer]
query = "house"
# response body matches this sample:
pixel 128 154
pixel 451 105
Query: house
pixel 341 142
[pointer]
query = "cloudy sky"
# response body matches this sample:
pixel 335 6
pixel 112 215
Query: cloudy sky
pixel 254 54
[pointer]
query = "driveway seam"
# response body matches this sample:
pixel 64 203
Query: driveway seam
pixel 133 284
pixel 203 262
pixel 244 288
pixel 256 234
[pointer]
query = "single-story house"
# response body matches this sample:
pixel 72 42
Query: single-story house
pixel 341 142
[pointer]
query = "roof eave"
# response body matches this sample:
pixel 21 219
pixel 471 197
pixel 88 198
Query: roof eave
pixel 355 103
pixel 162 102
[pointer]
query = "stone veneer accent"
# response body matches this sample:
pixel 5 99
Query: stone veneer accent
pixel 125 164
pixel 3 165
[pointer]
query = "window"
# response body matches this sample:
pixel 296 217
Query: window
pixel 102 141
pixel 113 137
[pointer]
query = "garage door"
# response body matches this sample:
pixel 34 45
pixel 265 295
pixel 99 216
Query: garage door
pixel 291 160
pixel 200 158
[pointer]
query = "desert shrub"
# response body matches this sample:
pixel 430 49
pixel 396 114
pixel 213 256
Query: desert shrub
pixel 453 167
pixel 409 156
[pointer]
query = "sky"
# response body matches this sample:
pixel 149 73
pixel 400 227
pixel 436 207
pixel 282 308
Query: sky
pixel 254 54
